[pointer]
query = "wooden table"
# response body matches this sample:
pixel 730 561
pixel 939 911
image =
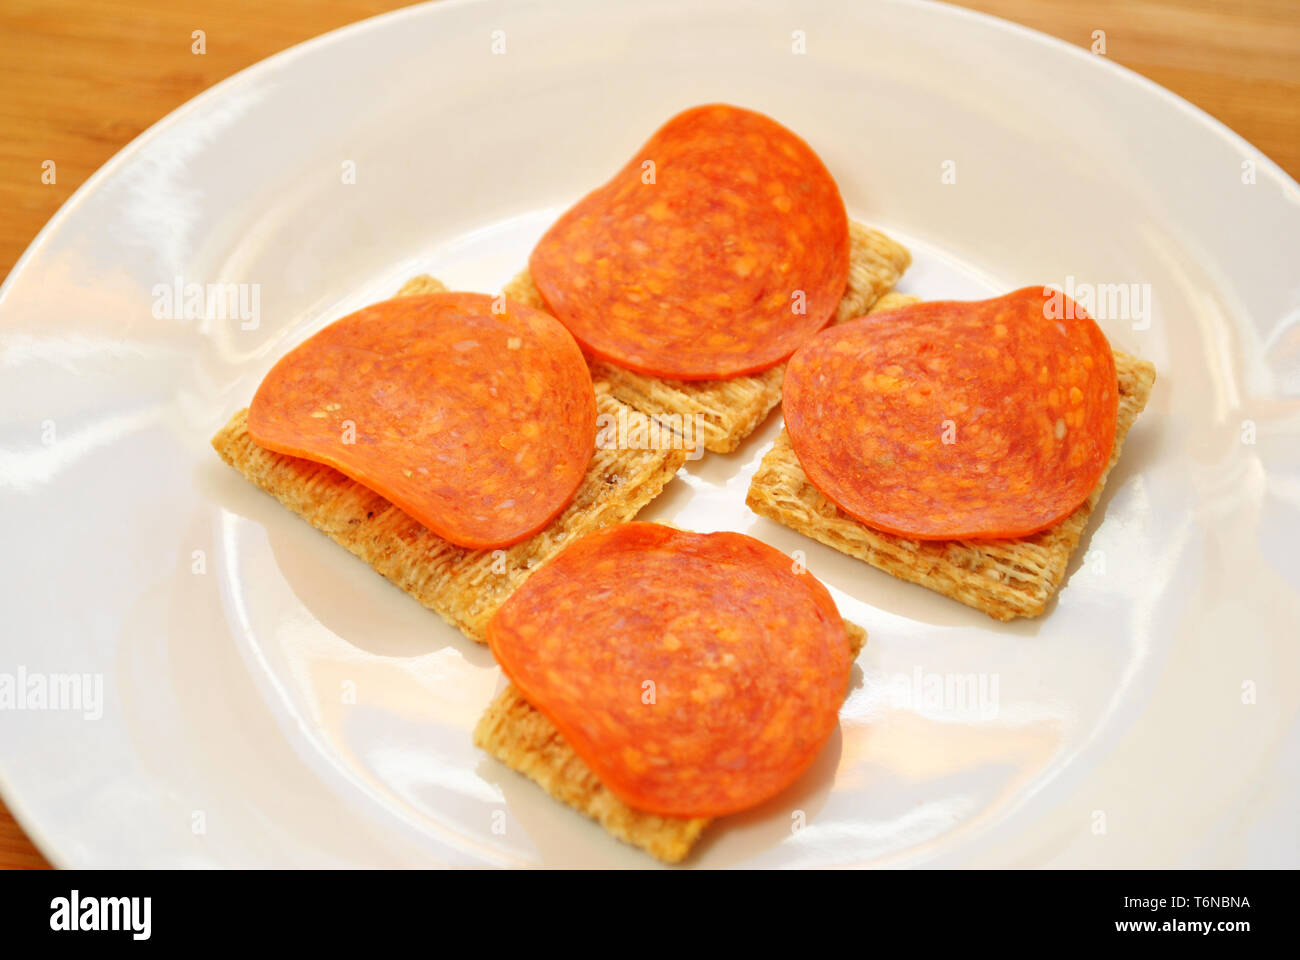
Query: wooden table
pixel 81 78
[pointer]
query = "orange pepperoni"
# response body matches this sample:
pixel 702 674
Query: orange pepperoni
pixel 696 674
pixel 951 420
pixel 480 425
pixel 721 247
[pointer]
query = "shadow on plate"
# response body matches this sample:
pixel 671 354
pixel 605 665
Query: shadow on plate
pixel 340 591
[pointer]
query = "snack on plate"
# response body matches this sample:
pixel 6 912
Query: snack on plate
pixel 958 446
pixel 694 273
pixel 474 421
pixel 655 717
pixel 464 583
pixel 658 678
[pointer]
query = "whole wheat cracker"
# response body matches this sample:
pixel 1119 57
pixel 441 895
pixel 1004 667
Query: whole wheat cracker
pixel 1003 578
pixel 727 411
pixel 526 741
pixel 464 586
pixel 423 283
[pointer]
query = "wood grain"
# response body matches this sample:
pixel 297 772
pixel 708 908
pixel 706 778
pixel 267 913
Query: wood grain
pixel 82 78
pixel 1240 62
pixel 16 851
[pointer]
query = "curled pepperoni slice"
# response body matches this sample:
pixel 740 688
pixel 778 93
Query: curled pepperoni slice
pixel 721 247
pixel 696 674
pixel 479 424
pixel 950 420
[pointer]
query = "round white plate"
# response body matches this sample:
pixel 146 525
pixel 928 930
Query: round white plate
pixel 1149 718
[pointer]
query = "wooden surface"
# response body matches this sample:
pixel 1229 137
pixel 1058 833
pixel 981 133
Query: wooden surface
pixel 80 78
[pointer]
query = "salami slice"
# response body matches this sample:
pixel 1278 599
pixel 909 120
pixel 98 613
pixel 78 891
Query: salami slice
pixel 480 425
pixel 721 247
pixel 696 674
pixel 985 420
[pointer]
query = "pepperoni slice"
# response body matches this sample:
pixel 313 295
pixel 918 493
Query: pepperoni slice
pixel 719 249
pixel 696 674
pixel 480 425
pixel 939 421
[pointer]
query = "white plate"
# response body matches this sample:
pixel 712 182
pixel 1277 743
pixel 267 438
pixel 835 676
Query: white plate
pixel 1118 734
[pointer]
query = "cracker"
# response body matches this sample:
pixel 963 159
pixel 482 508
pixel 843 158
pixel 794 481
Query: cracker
pixel 1003 578
pixel 892 301
pixel 520 736
pixel 421 284
pixel 464 586
pixel 724 412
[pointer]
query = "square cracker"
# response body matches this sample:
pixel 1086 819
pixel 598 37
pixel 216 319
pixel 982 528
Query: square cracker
pixel 1003 578
pixel 727 411
pixel 521 737
pixel 464 586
